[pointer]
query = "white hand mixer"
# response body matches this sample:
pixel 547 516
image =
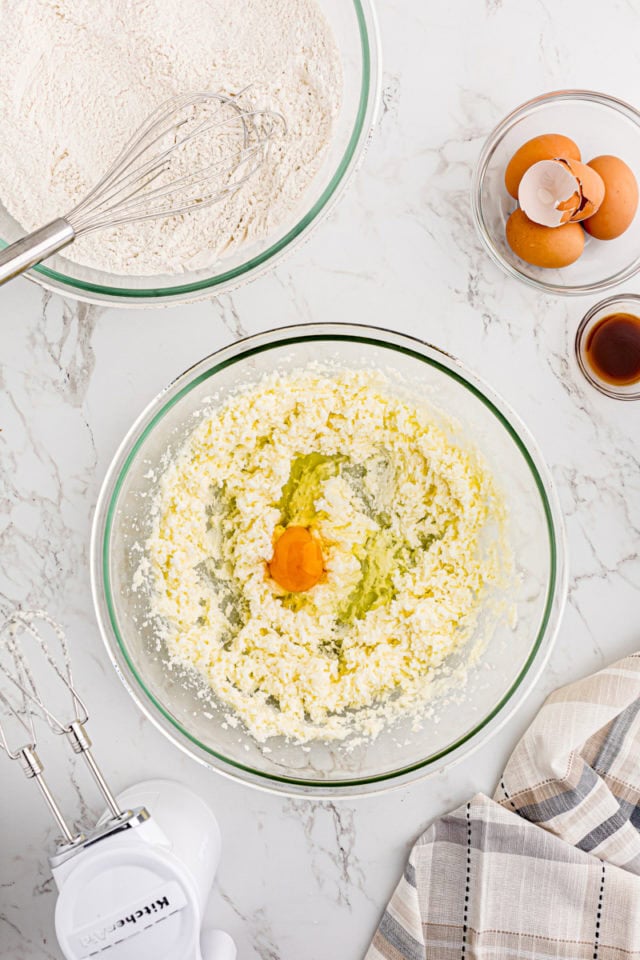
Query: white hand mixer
pixel 135 885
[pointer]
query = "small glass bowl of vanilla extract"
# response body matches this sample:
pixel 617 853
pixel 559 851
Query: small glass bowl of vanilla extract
pixel 608 347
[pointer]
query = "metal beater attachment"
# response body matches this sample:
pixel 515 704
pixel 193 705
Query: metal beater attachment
pixel 20 696
pixel 194 151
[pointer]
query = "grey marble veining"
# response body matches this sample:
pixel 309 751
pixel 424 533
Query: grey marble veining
pixel 301 880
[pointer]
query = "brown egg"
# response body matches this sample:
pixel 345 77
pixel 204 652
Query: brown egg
pixel 549 247
pixel 549 146
pixel 620 203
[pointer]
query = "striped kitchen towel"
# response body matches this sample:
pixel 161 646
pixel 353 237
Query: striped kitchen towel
pixel 550 868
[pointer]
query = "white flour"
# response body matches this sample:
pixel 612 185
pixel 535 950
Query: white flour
pixel 79 76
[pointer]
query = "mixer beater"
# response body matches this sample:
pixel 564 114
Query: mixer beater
pixel 29 705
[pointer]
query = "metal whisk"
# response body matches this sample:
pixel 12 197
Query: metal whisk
pixel 192 152
pixel 22 701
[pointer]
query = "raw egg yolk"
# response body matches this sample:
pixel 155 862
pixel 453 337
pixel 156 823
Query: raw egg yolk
pixel 297 563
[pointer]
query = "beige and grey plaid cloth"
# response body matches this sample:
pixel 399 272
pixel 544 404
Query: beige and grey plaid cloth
pixel 550 868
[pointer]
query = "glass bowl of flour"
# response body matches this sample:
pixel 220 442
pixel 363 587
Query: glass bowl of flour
pixel 86 79
pixel 423 488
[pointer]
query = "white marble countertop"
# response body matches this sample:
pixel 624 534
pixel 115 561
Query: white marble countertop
pixel 304 880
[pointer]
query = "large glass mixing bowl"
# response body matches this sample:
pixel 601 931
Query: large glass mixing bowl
pixel 355 29
pixel 496 683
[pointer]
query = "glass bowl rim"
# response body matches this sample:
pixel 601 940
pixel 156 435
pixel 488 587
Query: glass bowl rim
pixel 368 103
pixel 201 371
pixel 489 146
pixel 607 390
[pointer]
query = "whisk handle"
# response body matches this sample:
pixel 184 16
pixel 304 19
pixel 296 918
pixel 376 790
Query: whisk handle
pixel 33 248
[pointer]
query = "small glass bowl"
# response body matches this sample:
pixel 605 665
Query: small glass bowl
pixel 599 124
pixel 624 303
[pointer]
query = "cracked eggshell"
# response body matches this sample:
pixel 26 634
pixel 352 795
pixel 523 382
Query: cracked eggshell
pixel 549 247
pixel 548 146
pixel 592 188
pixel 553 192
pixel 549 193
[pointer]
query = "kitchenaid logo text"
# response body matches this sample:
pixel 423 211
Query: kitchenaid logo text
pixel 97 936
pixel 114 926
